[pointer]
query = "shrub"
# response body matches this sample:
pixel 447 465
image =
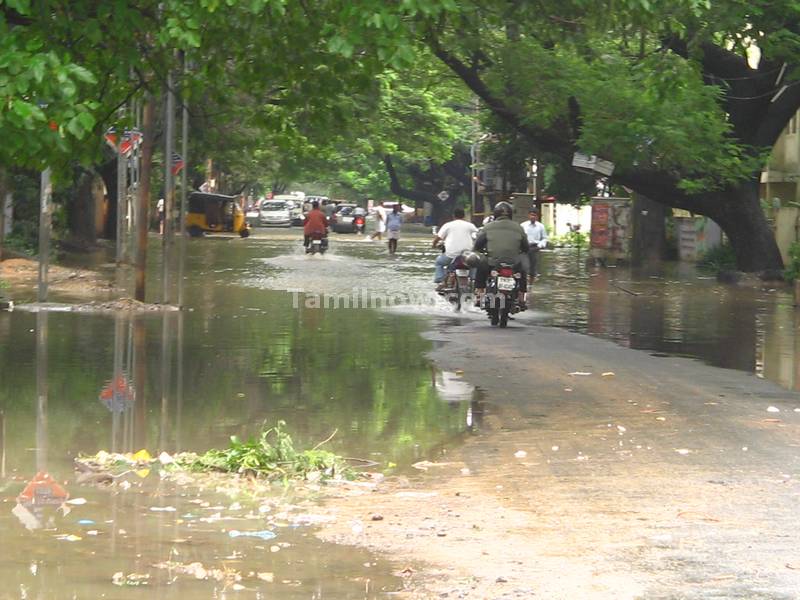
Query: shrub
pixel 792 272
pixel 719 258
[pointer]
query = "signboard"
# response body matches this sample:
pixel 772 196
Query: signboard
pixel 592 164
pixel 443 195
pixel 610 235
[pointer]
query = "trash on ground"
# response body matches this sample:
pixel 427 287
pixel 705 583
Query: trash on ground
pixel 424 465
pixel 579 373
pixel 132 579
pixel 608 374
pixel 76 501
pixel 520 454
pixel 773 409
pixel 263 534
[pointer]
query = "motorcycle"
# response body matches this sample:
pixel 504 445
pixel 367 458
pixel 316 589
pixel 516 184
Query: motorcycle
pixel 457 282
pixel 502 292
pixel 359 223
pixel 317 243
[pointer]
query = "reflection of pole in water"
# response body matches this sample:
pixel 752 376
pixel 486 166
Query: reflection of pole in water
pixel 2 444
pixel 139 426
pixel 118 349
pixel 179 391
pixel 41 391
pixel 165 380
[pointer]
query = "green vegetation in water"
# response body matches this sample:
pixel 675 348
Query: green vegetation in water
pixel 571 239
pixel 792 272
pixel 719 258
pixel 272 455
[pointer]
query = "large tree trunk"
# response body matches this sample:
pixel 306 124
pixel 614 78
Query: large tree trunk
pixel 108 171
pixel 648 231
pixel 738 212
pixel 81 216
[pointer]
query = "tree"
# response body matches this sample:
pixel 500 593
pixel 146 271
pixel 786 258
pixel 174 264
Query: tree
pixel 662 89
pixel 664 92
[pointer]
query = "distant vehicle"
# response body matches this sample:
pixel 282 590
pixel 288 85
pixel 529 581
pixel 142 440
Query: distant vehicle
pixel 252 214
pixel 343 219
pixel 215 213
pixel 275 212
pixel 295 202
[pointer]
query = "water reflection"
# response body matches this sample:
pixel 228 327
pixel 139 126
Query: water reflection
pixel 239 357
pixel 673 310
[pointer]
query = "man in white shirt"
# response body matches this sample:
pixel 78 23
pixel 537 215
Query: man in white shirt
pixel 380 222
pixel 458 235
pixel 537 239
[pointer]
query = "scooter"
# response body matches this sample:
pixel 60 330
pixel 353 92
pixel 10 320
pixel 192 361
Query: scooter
pixel 359 223
pixel 502 292
pixel 317 243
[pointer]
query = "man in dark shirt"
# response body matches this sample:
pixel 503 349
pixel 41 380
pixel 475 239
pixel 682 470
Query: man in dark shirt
pixel 315 223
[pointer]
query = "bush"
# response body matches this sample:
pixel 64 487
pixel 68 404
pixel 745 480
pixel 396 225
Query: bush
pixel 572 239
pixel 24 238
pixel 792 272
pixel 719 258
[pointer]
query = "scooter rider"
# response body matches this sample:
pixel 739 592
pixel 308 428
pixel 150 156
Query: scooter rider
pixel 315 222
pixel 501 240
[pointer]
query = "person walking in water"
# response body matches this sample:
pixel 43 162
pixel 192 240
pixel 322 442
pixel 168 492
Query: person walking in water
pixel 394 221
pixel 537 239
pixel 380 222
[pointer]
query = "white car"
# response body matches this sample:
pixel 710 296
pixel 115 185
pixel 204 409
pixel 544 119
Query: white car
pixel 275 212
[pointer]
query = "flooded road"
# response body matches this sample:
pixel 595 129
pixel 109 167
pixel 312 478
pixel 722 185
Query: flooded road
pixel 271 334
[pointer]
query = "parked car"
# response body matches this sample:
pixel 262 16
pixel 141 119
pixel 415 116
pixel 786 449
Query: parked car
pixel 275 212
pixel 344 219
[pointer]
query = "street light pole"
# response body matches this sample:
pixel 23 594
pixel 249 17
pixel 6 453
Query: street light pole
pixel 169 188
pixel 44 233
pixel 184 189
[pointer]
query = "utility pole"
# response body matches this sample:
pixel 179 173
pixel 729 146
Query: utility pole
pixel 148 127
pixel 44 233
pixel 169 190
pixel 184 189
pixel 122 189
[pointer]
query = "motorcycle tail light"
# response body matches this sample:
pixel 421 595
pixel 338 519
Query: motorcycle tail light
pixel 506 272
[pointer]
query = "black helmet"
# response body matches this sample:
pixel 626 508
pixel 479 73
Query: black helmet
pixel 503 209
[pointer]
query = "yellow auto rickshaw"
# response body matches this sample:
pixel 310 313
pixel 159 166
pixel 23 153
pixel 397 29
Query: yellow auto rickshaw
pixel 215 213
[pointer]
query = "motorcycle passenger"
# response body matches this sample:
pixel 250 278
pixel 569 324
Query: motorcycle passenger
pixel 501 240
pixel 458 236
pixel 315 223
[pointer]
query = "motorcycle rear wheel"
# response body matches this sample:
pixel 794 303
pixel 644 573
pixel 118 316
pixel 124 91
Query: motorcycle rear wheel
pixel 457 301
pixel 504 318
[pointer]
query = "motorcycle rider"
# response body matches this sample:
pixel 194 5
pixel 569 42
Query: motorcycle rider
pixel 458 236
pixel 501 240
pixel 315 222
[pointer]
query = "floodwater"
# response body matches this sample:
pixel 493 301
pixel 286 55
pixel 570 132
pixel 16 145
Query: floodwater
pixel 332 345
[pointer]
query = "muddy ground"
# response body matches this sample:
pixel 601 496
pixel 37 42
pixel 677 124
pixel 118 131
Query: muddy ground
pixel 21 276
pixel 598 472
